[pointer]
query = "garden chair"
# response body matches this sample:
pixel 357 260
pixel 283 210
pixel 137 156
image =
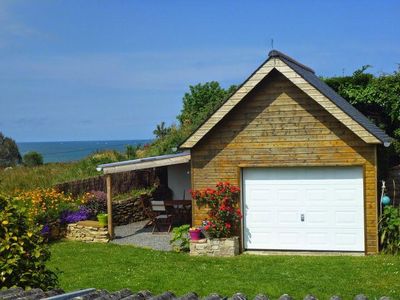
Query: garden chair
pixel 159 216
pixel 145 206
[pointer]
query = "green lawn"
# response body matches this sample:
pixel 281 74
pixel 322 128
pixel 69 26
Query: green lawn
pixel 114 267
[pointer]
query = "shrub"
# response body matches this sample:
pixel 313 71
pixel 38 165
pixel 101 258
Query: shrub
pixel 33 159
pixel 224 215
pixel 23 253
pixel 180 238
pixel 96 203
pixel 389 230
pixel 46 205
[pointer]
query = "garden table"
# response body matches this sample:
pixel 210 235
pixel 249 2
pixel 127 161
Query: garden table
pixel 182 209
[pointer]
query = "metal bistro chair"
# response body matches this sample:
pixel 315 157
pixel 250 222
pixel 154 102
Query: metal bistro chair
pixel 160 217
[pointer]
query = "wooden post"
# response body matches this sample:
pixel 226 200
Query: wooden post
pixel 109 207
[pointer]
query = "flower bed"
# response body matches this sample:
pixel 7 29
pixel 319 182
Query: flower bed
pixel 222 225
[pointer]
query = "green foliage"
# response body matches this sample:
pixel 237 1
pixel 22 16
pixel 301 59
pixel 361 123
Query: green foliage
pixel 168 144
pixel 130 151
pixel 9 153
pixel 180 238
pixel 198 104
pixel 202 101
pixel 33 159
pixel 161 131
pixel 23 253
pixel 47 175
pixel 389 230
pixel 378 98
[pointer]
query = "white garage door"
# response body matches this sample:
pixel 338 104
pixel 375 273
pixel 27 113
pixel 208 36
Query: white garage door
pixel 303 208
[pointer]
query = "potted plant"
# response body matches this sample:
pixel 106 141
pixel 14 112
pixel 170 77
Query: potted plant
pixel 194 233
pixel 103 219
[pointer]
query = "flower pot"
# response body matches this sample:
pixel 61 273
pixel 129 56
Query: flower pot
pixel 195 234
pixel 103 219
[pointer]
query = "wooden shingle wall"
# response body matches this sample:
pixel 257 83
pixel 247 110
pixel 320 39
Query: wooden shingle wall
pixel 278 125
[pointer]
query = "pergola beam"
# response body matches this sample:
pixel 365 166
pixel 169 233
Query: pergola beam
pixel 109 207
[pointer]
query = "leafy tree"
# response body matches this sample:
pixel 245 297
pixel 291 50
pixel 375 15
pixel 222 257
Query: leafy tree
pixel 198 104
pixel 201 102
pixel 9 153
pixel 33 159
pixel 161 131
pixel 23 252
pixel 378 98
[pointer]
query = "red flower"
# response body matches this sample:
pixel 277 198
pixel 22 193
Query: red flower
pixel 227 225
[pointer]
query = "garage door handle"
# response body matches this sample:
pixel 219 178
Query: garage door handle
pixel 302 217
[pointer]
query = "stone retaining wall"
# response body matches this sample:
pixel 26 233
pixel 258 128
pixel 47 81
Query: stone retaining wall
pixel 215 247
pixel 87 231
pixel 127 211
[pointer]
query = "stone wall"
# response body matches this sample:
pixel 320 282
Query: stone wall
pixel 215 247
pixel 127 211
pixel 87 231
pixel 121 183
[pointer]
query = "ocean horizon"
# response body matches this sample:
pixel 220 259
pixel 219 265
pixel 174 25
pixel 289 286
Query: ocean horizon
pixel 67 151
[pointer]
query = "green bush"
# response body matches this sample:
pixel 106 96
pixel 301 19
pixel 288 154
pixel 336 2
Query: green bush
pixel 23 253
pixel 9 153
pixel 33 159
pixel 180 238
pixel 389 230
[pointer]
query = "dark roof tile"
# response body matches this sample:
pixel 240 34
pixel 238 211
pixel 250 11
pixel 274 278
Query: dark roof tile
pixel 308 74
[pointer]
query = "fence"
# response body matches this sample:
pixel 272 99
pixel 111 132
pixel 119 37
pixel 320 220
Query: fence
pixel 121 183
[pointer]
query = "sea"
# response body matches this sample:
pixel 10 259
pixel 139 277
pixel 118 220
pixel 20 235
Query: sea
pixel 74 150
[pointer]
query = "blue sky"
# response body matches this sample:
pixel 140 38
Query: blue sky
pixel 105 70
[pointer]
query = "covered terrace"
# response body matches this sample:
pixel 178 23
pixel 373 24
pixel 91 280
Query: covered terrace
pixel 173 170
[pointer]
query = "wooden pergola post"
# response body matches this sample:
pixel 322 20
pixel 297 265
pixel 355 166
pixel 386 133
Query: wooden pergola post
pixel 109 207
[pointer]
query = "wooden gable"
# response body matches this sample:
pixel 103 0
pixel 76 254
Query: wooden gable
pixel 275 63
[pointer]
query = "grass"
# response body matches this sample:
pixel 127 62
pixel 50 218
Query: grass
pixel 47 175
pixel 113 267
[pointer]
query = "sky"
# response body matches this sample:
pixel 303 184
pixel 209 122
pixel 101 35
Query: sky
pixel 112 70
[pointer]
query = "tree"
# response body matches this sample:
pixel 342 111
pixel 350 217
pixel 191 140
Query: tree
pixel 161 131
pixel 378 98
pixel 201 102
pixel 33 159
pixel 9 153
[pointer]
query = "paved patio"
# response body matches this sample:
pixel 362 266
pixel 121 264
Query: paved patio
pixel 138 235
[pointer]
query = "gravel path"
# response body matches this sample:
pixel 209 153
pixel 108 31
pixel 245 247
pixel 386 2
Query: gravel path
pixel 138 235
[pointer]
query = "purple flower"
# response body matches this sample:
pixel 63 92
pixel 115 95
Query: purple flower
pixel 45 230
pixel 68 217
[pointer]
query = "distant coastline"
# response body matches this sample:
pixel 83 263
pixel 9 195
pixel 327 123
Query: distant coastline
pixel 74 150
